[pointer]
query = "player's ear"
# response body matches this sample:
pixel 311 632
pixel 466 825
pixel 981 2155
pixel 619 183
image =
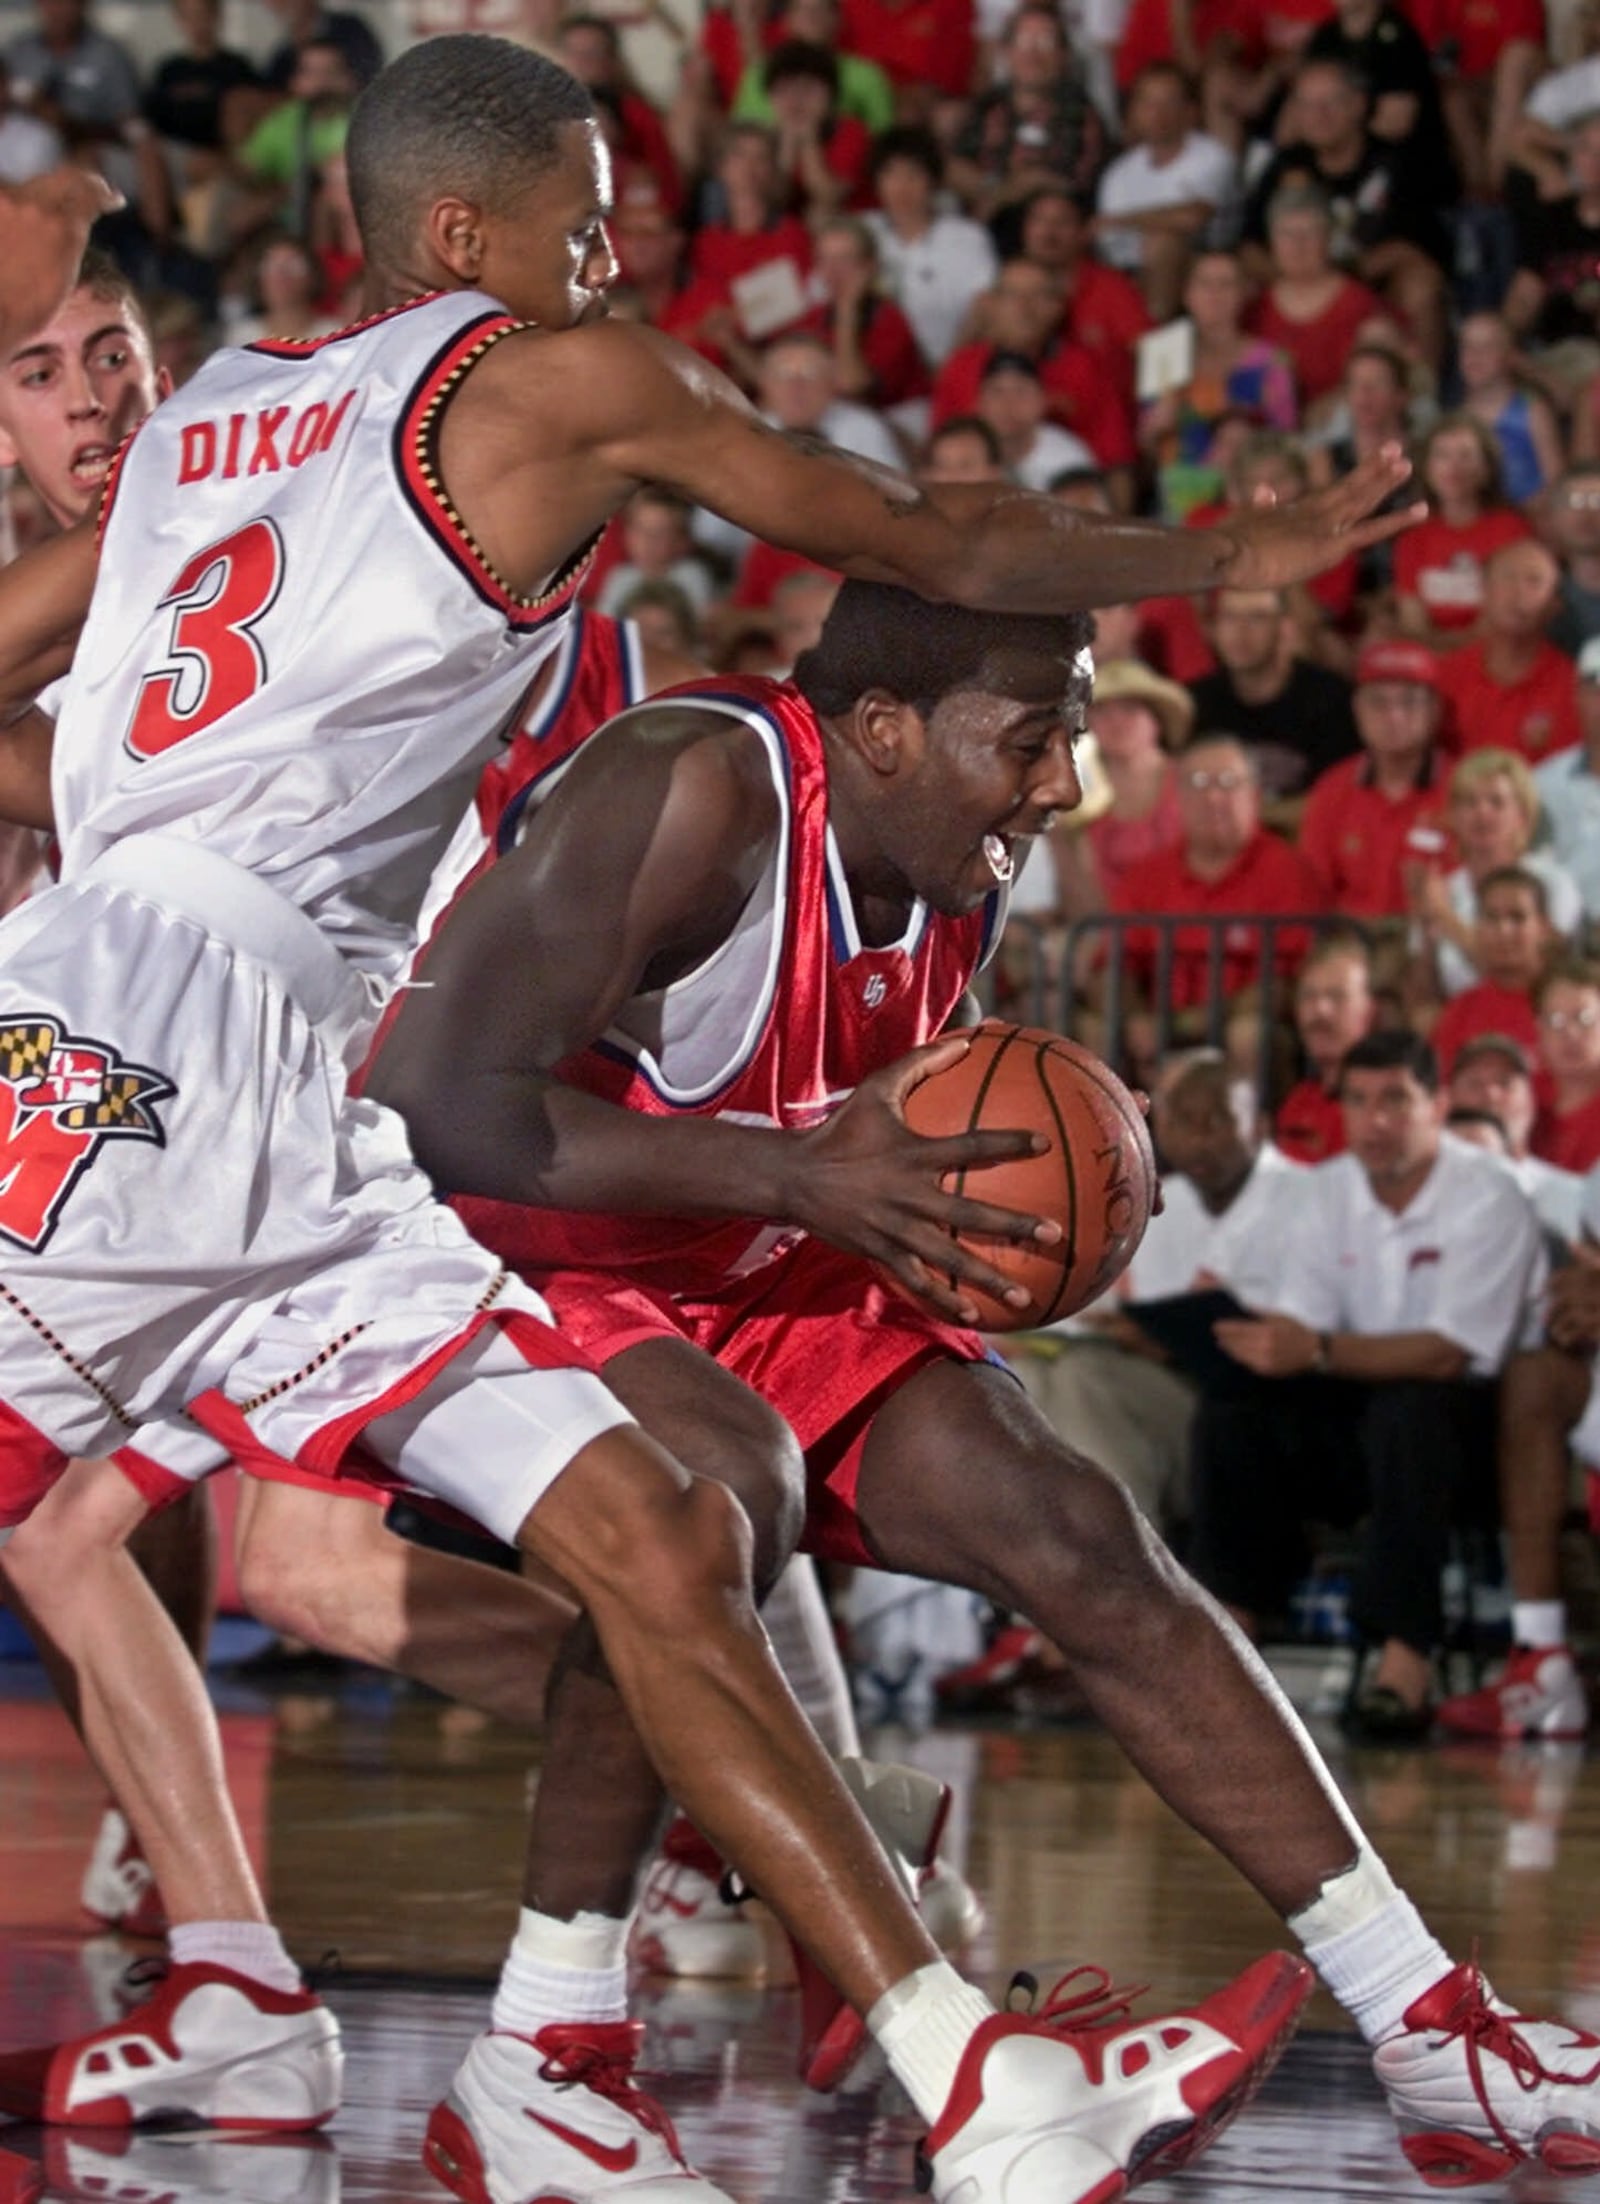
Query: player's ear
pixel 454 229
pixel 888 731
pixel 9 455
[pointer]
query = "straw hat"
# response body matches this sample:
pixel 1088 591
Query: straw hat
pixel 1173 706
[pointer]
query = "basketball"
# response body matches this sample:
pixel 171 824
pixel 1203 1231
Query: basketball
pixel 1097 1179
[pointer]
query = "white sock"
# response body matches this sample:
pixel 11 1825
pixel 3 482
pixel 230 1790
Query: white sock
pixel 251 1948
pixel 797 1621
pixel 1370 1945
pixel 924 2024
pixel 1540 1623
pixel 562 1971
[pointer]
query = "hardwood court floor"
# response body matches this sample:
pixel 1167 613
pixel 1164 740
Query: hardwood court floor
pixel 390 1830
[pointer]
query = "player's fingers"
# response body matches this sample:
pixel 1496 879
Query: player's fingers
pixel 907 1073
pixel 1368 532
pixel 998 1224
pixel 936 1288
pixel 971 1151
pixel 968 1268
pixel 1366 485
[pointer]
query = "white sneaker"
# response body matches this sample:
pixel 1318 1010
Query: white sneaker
pixel 952 1912
pixel 166 2169
pixel 1076 2102
pixel 1478 2089
pixel 1539 1693
pixel 119 1885
pixel 685 1926
pixel 210 2048
pixel 559 2118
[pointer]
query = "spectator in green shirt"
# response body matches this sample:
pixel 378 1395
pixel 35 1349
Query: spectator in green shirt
pixel 864 90
pixel 288 149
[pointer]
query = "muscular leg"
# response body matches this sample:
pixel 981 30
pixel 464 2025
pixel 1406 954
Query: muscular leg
pixel 663 1564
pixel 322 1567
pixel 177 1551
pixel 128 1682
pixel 963 1481
pixel 1542 1398
pixel 598 1808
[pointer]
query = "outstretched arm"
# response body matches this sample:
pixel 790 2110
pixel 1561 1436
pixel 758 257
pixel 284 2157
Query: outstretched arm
pixel 552 431
pixel 635 872
pixel 44 597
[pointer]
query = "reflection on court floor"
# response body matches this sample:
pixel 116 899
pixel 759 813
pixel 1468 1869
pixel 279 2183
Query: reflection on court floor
pixel 389 1829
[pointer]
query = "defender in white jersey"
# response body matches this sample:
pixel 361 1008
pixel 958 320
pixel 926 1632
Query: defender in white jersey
pixel 248 802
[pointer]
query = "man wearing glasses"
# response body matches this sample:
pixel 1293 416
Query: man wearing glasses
pixel 1227 864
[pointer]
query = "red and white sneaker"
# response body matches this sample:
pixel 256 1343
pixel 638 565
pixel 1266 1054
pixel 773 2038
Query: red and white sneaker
pixel 685 1926
pixel 1540 1694
pixel 558 2118
pixel 209 2049
pixel 1478 2089
pixel 1076 2102
pixel 985 1685
pixel 21 2182
pixel 119 1885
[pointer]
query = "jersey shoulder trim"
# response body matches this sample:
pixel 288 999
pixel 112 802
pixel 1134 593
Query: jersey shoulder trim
pixel 111 484
pixel 301 348
pixel 416 444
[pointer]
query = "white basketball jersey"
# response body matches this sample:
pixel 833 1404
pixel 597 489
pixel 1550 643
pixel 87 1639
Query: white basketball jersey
pixel 296 655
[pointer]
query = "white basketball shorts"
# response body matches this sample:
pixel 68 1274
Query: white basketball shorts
pixel 193 1210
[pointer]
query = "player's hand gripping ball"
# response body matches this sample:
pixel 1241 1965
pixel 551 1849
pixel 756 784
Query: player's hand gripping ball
pixel 1097 1180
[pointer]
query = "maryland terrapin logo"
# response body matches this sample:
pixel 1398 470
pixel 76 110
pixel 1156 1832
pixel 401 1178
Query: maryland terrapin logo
pixel 61 1097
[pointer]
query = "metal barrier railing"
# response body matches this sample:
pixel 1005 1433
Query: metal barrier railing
pixel 1040 963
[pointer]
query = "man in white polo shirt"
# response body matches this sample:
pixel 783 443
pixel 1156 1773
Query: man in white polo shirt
pixel 1549 1411
pixel 1226 1198
pixel 1409 1270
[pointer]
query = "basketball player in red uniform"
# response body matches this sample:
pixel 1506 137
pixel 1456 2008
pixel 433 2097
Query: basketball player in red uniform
pixel 658 1056
pixel 283 1266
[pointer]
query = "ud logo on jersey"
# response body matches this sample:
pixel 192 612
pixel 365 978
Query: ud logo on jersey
pixel 61 1096
pixel 874 990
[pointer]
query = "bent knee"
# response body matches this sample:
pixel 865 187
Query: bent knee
pixel 687 1547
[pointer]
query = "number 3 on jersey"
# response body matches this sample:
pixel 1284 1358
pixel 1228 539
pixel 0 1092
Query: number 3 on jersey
pixel 214 660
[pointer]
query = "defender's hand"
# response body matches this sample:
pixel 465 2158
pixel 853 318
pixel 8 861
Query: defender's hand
pixel 1275 545
pixel 46 224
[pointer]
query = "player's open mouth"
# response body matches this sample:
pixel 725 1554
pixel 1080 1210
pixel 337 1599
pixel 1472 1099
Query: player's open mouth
pixel 90 464
pixel 998 857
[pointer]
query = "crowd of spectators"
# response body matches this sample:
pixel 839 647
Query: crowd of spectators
pixel 1143 256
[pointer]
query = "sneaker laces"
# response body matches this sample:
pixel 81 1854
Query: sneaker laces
pixel 1484 2032
pixel 1097 2004
pixel 575 2061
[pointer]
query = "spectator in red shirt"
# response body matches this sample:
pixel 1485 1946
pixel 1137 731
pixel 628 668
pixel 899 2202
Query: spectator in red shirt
pixel 1138 721
pixel 1567 1133
pixel 1228 863
pixel 1514 941
pixel 1101 308
pixel 590 46
pixel 823 156
pixel 1333 1009
pixel 1513 690
pixel 1370 818
pixel 1311 309
pixel 1495 51
pixel 751 228
pixel 926 47
pixel 875 354
pixel 1021 312
pixel 1439 565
